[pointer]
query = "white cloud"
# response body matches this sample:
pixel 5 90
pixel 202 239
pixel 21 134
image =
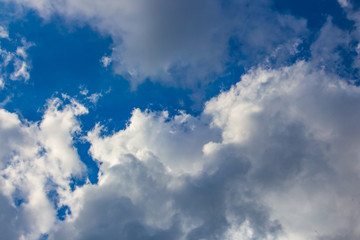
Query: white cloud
pixel 275 157
pixel 94 98
pixel 297 126
pixel 15 65
pixel 3 32
pixel 106 61
pixel 37 160
pixel 154 134
pixel 21 71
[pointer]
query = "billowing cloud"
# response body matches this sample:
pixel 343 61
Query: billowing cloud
pixel 181 42
pixel 37 162
pixel 275 157
pixel 297 126
pixel 285 166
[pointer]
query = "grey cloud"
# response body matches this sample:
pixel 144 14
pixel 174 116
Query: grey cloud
pixel 9 222
pixel 297 145
pixel 135 197
pixel 130 205
pixel 182 43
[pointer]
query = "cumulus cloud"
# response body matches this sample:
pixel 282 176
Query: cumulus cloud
pixel 275 157
pixel 37 161
pixel 295 125
pixel 284 167
pixel 180 42
pixel 148 134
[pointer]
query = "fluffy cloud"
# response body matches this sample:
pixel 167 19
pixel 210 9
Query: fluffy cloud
pixel 275 157
pixel 154 134
pixel 37 162
pixel 298 128
pixel 181 42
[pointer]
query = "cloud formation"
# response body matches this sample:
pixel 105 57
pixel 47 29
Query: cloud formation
pixel 286 164
pixel 37 162
pixel 275 157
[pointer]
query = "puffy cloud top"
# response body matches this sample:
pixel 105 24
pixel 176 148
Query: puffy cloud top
pixel 275 157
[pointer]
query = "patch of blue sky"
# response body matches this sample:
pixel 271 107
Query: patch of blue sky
pixel 44 237
pixel 62 212
pixel 315 12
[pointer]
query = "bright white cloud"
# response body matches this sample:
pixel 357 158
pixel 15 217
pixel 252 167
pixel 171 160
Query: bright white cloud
pixel 275 157
pixel 297 126
pixel 37 161
pixel 150 134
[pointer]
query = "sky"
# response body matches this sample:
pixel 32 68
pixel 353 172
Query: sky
pixel 180 120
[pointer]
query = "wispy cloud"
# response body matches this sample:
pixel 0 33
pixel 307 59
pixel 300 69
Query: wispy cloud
pixel 14 65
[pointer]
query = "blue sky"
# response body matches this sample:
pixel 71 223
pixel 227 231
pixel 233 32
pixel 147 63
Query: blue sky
pixel 217 119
